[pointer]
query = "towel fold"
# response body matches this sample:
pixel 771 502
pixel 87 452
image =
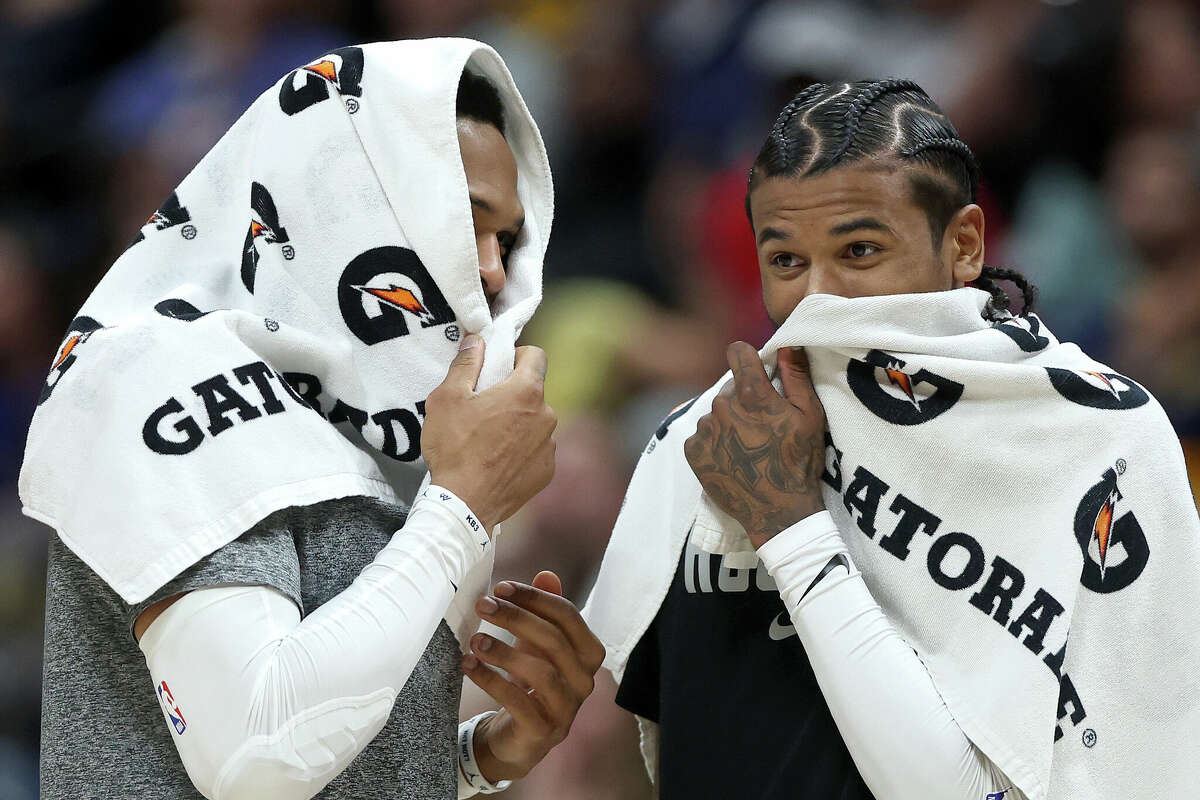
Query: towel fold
pixel 1021 513
pixel 270 336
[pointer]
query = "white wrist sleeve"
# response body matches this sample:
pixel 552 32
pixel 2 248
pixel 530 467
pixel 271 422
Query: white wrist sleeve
pixel 263 704
pixel 902 737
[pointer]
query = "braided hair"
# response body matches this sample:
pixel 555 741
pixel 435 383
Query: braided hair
pixel 826 126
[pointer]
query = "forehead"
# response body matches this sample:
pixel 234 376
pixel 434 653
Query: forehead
pixel 487 158
pixel 873 189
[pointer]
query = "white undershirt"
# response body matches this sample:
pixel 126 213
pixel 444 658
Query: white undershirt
pixel 277 706
pixel 900 734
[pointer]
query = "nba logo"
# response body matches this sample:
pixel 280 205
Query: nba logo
pixel 167 701
pixel 996 795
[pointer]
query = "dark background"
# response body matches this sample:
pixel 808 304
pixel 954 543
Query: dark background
pixel 1084 115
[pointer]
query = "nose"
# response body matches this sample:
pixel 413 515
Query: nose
pixel 822 280
pixel 491 266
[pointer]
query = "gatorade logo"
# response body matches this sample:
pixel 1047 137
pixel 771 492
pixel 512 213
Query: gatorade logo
pixel 1115 550
pixel 386 293
pixel 264 228
pixel 78 332
pixel 341 69
pixel 884 384
pixel 1104 390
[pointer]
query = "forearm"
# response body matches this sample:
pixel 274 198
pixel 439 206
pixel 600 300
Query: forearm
pixel 278 706
pixel 902 737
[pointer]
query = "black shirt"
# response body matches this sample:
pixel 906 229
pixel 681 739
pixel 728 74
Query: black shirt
pixel 740 715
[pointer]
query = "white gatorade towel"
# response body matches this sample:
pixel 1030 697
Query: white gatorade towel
pixel 271 334
pixel 1021 513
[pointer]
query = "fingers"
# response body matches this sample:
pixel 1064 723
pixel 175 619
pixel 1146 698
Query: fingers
pixel 795 376
pixel 531 361
pixel 562 613
pixel 547 639
pixel 523 707
pixel 749 375
pixel 548 581
pixel 557 696
pixel 464 369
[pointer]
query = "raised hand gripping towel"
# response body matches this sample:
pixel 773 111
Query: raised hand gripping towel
pixel 1021 513
pixel 271 334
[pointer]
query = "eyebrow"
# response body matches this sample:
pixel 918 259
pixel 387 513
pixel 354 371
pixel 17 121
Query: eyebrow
pixel 488 208
pixel 772 233
pixel 864 223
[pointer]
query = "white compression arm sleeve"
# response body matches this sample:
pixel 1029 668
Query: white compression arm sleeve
pixel 264 704
pixel 902 737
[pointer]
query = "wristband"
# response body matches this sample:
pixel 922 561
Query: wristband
pixel 470 779
pixel 448 500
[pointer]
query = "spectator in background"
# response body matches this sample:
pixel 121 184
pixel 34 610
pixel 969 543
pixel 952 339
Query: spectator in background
pixel 160 111
pixel 1153 186
pixel 26 335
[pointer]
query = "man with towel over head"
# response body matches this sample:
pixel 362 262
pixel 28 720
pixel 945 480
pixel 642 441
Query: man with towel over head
pixel 233 446
pixel 915 548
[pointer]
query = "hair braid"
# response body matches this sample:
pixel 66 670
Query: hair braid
pixel 1000 305
pixel 864 100
pixel 956 146
pixel 779 131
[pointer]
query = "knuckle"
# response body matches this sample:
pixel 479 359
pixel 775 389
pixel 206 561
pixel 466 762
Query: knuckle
pixel 595 658
pixel 547 675
pixel 531 393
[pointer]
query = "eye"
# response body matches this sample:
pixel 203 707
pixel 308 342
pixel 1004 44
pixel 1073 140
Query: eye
pixel 862 250
pixel 786 261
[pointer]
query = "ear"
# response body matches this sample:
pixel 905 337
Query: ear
pixel 962 244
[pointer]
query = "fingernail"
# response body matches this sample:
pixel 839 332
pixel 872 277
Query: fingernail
pixel 505 589
pixel 487 606
pixel 485 643
pixel 469 341
pixel 470 662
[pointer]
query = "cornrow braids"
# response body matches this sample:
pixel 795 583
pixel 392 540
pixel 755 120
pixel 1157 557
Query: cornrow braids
pixel 893 118
pixel 785 116
pixel 956 146
pixel 865 99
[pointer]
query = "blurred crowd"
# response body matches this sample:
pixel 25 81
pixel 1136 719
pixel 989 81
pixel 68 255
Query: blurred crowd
pixel 1085 116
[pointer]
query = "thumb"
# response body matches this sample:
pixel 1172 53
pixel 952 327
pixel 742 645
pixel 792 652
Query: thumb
pixel 795 376
pixel 464 369
pixel 548 581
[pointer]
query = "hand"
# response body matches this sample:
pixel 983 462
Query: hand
pixel 491 448
pixel 550 673
pixel 760 456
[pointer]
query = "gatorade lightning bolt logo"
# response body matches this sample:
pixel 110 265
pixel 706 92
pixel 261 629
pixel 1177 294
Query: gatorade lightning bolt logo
pixel 901 379
pixel 1106 382
pixel 168 215
pixel 342 69
pixel 78 332
pixel 1114 546
pixel 1105 390
pixel 386 293
pixel 400 298
pixel 865 379
pixel 265 228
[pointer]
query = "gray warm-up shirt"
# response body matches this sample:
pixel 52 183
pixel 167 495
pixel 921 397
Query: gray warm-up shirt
pixel 103 733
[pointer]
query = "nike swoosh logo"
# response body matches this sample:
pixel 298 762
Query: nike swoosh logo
pixel 781 630
pixel 839 560
pixel 781 626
